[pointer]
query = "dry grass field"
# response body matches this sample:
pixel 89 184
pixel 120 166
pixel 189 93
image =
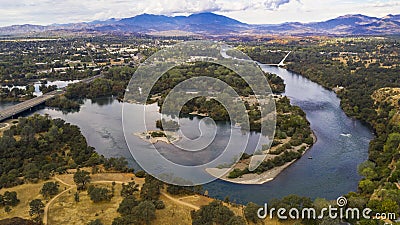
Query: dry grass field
pixel 66 211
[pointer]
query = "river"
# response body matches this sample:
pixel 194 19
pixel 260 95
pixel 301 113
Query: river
pixel 342 144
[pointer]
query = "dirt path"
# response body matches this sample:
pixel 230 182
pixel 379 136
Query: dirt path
pixel 47 207
pixel 63 182
pixel 179 201
pixel 72 186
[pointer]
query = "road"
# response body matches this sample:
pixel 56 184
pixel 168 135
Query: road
pixel 29 104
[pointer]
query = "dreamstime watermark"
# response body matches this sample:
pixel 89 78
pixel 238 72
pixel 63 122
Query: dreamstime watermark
pixel 196 157
pixel 340 211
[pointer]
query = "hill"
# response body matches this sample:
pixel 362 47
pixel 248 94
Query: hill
pixel 210 24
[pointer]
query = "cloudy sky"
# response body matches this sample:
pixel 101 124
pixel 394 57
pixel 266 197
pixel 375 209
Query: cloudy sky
pixel 45 12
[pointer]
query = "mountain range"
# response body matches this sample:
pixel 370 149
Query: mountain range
pixel 210 24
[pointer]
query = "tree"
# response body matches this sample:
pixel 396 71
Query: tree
pixel 367 169
pixel 10 198
pixel 99 194
pixel 236 220
pixel 49 189
pixel 250 212
pixel 81 178
pixel 159 204
pixel 140 174
pixel 151 188
pixel 36 209
pixel 127 205
pixel 76 197
pixel 129 189
pixel 366 186
pixel 213 213
pixel 125 220
pixel 145 212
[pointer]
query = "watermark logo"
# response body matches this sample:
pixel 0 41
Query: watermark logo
pixel 193 152
pixel 340 211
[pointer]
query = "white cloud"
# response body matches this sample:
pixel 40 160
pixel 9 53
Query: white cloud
pixel 251 11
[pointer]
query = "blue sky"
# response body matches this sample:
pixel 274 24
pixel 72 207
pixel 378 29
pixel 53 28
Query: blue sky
pixel 45 12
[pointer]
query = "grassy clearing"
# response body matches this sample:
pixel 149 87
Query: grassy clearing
pixel 25 193
pixel 66 211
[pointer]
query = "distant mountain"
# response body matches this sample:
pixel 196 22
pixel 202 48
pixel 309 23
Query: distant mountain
pixel 210 24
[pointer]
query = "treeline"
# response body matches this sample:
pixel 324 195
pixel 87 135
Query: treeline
pixel 38 146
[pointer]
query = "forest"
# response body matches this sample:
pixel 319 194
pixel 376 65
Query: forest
pixel 38 146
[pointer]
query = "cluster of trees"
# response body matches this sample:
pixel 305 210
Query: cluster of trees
pixel 46 89
pixel 62 102
pixel 100 194
pixel 186 190
pixel 49 189
pixel 8 200
pixel 36 210
pixel 169 125
pixel 113 83
pixel 291 122
pixel 216 213
pixel 141 210
pixel 16 94
pixel 38 146
pixel 280 160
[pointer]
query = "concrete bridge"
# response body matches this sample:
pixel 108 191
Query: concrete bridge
pixel 14 110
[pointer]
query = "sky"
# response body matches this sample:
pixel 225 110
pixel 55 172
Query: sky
pixel 45 12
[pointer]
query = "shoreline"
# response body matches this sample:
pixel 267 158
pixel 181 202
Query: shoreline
pixel 171 138
pixel 253 178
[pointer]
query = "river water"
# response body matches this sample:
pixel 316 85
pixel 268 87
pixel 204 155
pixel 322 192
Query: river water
pixel 342 144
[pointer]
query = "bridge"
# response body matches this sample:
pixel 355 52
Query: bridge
pixel 282 63
pixel 14 110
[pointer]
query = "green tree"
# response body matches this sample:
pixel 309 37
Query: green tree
pixel 99 194
pixel 127 205
pixel 213 213
pixel 151 188
pixel 145 212
pixel 236 220
pixel 81 178
pixel 36 209
pixel 76 197
pixel 367 169
pixel 250 212
pixel 10 198
pixel 129 189
pixel 49 189
pixel 140 174
pixel 366 186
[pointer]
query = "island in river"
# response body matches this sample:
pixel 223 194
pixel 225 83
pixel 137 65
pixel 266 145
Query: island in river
pixel 249 177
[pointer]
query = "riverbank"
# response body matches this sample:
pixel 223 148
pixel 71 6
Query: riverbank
pixel 168 136
pixel 254 178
